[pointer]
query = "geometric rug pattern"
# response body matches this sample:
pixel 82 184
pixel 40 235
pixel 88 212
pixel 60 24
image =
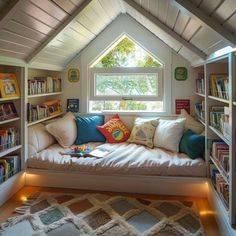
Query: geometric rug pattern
pixel 104 215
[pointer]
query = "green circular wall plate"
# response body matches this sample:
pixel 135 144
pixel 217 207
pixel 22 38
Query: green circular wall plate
pixel 181 73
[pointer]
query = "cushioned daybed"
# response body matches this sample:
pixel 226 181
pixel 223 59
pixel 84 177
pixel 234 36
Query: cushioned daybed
pixel 124 158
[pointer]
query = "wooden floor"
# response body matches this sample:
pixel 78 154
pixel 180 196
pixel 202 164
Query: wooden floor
pixel 206 214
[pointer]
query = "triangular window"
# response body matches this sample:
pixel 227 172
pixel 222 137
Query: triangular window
pixel 126 53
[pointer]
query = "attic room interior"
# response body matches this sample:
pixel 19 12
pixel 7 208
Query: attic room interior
pixel 117 117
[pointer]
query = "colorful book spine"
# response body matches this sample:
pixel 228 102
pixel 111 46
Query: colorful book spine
pixel 200 86
pixel 219 86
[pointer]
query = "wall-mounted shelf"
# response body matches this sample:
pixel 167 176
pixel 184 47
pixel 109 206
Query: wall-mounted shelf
pixel 8 121
pixel 9 99
pixel 42 120
pixel 220 135
pixel 216 163
pixel 10 150
pixel 200 94
pixel 44 94
pixel 219 99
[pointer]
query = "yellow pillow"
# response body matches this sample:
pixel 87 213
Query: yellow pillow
pixel 143 132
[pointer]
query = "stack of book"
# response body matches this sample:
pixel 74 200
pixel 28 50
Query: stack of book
pixel 219 119
pixel 220 185
pixel 200 86
pixel 36 112
pixel 9 137
pixel 200 110
pixel 40 85
pixel 7 111
pixel 220 153
pixel 219 86
pixel 44 110
pixel 9 165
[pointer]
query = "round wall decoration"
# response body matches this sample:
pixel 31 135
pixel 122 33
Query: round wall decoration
pixel 73 75
pixel 181 73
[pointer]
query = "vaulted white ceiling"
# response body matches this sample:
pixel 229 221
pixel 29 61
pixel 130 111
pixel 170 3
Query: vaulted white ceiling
pixel 55 31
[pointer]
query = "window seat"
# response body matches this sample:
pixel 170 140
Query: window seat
pixel 124 159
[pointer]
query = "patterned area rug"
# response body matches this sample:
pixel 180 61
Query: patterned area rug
pixel 104 215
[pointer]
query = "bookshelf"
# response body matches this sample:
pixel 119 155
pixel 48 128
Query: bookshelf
pixel 42 86
pixel 13 121
pixel 215 107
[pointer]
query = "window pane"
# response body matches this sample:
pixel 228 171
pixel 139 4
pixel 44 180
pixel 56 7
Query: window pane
pixel 99 106
pixel 126 85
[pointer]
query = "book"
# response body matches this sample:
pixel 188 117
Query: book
pixel 98 152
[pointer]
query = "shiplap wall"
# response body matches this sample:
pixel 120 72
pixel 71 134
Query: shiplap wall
pixel 175 89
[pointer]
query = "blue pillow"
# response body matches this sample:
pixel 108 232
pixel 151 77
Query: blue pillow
pixel 192 144
pixel 87 129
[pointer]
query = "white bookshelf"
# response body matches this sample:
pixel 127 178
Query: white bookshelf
pixel 44 94
pixel 9 121
pixel 45 119
pixel 222 65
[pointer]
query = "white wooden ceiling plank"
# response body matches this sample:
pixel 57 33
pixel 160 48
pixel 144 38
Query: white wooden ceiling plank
pixel 187 54
pixel 11 54
pixel 215 47
pixel 181 22
pixel 24 31
pixel 89 24
pixel 209 21
pixel 205 37
pixel 153 7
pixel 16 38
pixel 145 4
pixel 39 14
pixel 208 6
pixel 191 28
pixel 99 11
pixel 226 9
pixel 67 6
pixel 14 47
pixel 51 8
pixel 111 9
pixel 55 50
pixel 49 61
pixel 231 24
pixel 162 10
pixel 172 15
pixel 67 37
pixel 80 29
pixel 32 23
pixel 165 28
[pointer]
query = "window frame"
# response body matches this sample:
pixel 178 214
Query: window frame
pixel 122 71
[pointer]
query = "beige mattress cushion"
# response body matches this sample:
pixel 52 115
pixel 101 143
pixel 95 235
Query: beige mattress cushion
pixel 124 158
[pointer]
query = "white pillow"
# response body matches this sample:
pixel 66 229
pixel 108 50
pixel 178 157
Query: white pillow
pixel 64 130
pixel 191 123
pixel 168 134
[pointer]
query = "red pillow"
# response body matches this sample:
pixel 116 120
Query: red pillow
pixel 115 130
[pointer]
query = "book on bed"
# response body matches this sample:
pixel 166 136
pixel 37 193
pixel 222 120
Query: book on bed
pixel 97 152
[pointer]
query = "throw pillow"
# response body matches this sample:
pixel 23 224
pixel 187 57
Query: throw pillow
pixel 191 123
pixel 142 132
pixel 168 134
pixel 192 144
pixel 87 131
pixel 115 130
pixel 64 130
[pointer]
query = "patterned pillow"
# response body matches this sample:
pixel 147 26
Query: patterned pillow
pixel 115 130
pixel 143 132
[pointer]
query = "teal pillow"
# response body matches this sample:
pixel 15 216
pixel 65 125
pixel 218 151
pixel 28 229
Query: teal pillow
pixel 87 129
pixel 192 144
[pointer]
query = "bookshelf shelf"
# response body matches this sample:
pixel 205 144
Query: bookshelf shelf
pixel 201 121
pixel 10 150
pixel 220 135
pixel 218 99
pixel 47 118
pixel 9 99
pixel 200 94
pixel 217 164
pixel 44 94
pixel 8 121
pixel 234 103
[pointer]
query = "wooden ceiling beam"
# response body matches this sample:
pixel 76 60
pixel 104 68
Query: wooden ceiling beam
pixel 75 14
pixel 207 20
pixel 165 28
